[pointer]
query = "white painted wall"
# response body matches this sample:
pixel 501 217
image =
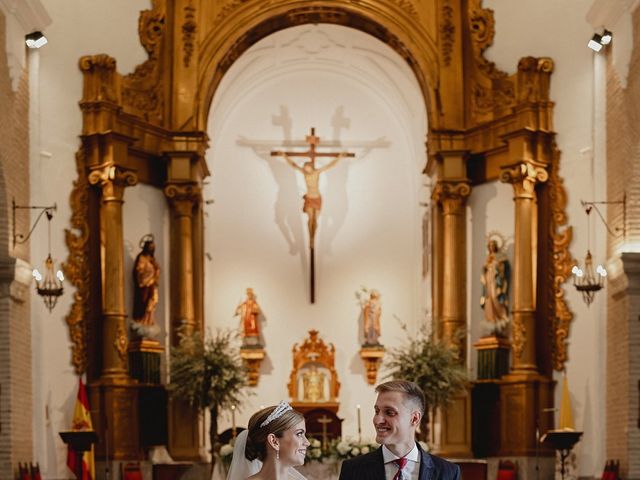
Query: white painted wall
pixel 370 226
pixel 560 30
pixel 78 28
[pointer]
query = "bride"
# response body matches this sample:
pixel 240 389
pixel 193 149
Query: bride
pixel 272 445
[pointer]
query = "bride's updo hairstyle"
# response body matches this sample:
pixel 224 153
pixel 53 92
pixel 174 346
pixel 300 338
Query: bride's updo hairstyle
pixel 262 423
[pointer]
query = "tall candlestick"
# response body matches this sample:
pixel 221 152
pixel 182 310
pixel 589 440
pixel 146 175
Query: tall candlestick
pixel 233 421
pixel 359 425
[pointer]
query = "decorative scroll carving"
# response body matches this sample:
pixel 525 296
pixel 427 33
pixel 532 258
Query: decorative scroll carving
pixel 533 79
pixel 445 190
pixel 562 264
pixel 482 29
pixel 183 197
pixel 524 176
pixel 188 34
pixel 142 91
pixel 228 8
pixel 76 268
pixel 107 174
pixel 99 78
pixel 447 32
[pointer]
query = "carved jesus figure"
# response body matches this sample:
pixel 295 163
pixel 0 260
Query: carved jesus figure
pixel 312 199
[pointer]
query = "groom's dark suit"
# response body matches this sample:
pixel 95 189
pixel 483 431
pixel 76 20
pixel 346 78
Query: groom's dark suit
pixel 371 467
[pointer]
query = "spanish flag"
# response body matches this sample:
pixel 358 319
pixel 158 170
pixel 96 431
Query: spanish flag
pixel 82 421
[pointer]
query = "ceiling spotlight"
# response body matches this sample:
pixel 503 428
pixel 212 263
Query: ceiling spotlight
pixel 595 43
pixel 606 37
pixel 35 39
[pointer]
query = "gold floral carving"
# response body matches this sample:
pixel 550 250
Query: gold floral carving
pixel 407 6
pixel 229 7
pixel 188 34
pixel 142 91
pixel 447 32
pixel 121 342
pixel 314 351
pixel 99 78
pixel 562 264
pixel 519 338
pixel 76 268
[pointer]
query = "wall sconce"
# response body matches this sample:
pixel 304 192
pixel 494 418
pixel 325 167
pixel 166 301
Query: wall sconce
pixel 600 40
pixel 587 281
pixel 35 39
pixel 49 286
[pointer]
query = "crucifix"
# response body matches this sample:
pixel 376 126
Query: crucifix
pixel 324 420
pixel 312 199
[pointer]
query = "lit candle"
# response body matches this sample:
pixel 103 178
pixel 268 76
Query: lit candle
pixel 359 425
pixel 233 421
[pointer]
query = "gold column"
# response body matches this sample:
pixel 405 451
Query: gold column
pixel 454 439
pixel 524 176
pixel 183 199
pixel 113 180
pixel 452 196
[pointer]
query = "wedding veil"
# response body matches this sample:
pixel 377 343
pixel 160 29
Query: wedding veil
pixel 241 468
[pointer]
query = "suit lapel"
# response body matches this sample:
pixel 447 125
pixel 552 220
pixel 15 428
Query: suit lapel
pixel 426 465
pixel 377 465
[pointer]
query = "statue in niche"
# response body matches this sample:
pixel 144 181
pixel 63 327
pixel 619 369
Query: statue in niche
pixel 495 287
pixel 249 312
pixel 313 385
pixel 146 280
pixel 371 311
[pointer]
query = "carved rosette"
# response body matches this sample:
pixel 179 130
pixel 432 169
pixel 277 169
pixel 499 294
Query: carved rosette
pixel 562 264
pixel 142 90
pixel 76 268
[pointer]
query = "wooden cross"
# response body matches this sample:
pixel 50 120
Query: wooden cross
pixel 312 199
pixel 324 420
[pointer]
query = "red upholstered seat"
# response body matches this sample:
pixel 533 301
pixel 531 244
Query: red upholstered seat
pixel 131 471
pixel 507 470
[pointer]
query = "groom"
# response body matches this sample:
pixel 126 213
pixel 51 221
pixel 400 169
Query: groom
pixel 398 410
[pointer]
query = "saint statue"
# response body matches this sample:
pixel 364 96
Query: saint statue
pixel 249 311
pixel 495 289
pixel 371 312
pixel 313 385
pixel 146 278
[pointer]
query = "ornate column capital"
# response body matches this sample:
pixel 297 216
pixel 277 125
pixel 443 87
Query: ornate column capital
pixel 112 180
pixel 524 176
pixel 452 195
pixel 183 197
pixel 100 82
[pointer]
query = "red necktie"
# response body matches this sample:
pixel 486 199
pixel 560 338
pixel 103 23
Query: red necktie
pixel 400 462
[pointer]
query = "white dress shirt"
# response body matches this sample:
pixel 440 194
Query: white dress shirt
pixel 411 470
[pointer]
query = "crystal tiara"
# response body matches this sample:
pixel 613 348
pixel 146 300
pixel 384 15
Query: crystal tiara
pixel 277 413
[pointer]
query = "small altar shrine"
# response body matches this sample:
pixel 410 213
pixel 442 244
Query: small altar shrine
pixel 314 387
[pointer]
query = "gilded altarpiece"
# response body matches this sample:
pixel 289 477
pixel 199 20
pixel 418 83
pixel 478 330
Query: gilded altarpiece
pixel 149 127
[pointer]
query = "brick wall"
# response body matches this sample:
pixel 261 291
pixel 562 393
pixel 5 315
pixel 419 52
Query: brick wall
pixel 15 325
pixel 623 306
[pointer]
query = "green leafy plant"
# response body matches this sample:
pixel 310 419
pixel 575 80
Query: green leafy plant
pixel 208 374
pixel 431 363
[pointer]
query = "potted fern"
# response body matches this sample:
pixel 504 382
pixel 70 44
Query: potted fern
pixel 433 365
pixel 208 374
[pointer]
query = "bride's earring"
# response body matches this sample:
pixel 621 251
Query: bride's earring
pixel 277 454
